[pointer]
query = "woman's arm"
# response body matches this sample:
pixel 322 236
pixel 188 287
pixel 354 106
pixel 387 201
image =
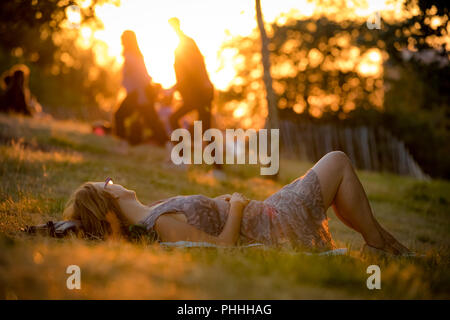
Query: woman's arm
pixel 172 230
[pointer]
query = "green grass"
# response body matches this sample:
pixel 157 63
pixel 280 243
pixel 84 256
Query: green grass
pixel 42 162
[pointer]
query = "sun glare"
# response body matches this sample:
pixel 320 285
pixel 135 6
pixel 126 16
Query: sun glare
pixel 208 22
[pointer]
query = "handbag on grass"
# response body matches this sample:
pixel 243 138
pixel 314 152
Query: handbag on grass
pixel 57 229
pixel 60 229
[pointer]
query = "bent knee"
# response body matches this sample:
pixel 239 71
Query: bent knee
pixel 339 157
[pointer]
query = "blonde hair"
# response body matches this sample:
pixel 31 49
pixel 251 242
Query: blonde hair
pixel 98 211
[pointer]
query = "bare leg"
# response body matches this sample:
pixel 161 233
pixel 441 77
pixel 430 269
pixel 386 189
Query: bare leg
pixel 342 189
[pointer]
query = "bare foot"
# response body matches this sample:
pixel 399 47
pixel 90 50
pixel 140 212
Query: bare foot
pixel 382 252
pixel 392 241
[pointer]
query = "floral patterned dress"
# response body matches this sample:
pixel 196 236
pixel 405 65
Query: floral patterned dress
pixel 293 217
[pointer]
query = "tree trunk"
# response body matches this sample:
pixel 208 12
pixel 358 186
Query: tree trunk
pixel 272 121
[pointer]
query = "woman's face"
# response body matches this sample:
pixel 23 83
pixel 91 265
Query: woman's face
pixel 116 190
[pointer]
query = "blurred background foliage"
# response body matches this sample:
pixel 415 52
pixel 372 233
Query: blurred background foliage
pixel 333 68
pixel 64 76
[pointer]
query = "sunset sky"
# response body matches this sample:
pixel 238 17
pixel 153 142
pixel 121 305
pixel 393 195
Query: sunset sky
pixel 208 22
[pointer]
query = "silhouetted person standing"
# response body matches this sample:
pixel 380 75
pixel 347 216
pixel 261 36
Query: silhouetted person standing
pixel 141 94
pixel 193 82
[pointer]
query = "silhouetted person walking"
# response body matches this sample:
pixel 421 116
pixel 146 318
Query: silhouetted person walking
pixel 141 95
pixel 193 82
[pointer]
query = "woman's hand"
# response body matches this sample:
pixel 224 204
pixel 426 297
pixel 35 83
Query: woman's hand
pixel 171 229
pixel 238 199
pixel 225 197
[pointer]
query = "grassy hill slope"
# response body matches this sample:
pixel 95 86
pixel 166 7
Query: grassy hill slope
pixel 43 161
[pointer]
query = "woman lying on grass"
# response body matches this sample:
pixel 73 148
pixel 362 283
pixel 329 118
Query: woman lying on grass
pixel 295 215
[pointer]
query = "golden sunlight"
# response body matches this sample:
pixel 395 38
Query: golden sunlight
pixel 240 111
pixel 206 22
pixel 209 23
pixel 370 64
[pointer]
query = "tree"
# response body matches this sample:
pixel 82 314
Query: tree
pixel 272 121
pixel 30 25
pixel 36 33
pixel 318 74
pixel 314 70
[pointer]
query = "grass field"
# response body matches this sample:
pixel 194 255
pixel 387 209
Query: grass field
pixel 41 162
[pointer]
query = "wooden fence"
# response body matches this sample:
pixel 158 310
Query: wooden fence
pixel 369 148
